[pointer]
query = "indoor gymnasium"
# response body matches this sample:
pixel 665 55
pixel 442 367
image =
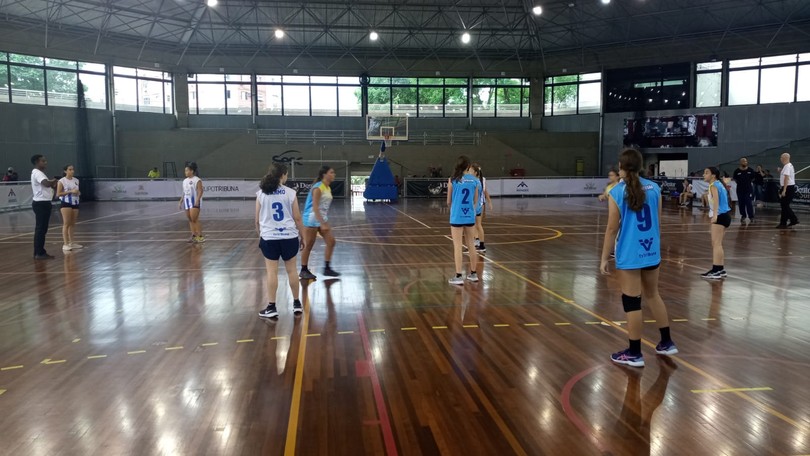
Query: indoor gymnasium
pixel 406 227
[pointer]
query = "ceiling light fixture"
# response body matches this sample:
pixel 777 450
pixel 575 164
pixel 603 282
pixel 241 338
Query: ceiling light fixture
pixel 373 36
pixel 465 38
pixel 605 2
pixel 279 33
pixel 211 2
pixel 537 10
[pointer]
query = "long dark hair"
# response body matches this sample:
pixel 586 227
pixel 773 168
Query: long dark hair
pixel 193 167
pixel 631 162
pixel 272 180
pixel 324 169
pixel 714 171
pixel 478 173
pixel 462 163
pixel 64 170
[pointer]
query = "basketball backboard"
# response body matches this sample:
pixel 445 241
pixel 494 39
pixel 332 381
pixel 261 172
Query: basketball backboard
pixel 393 127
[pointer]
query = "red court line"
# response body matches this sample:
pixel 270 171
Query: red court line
pixel 379 399
pixel 565 399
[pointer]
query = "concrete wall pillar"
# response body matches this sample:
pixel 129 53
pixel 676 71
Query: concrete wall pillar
pixel 181 102
pixel 536 100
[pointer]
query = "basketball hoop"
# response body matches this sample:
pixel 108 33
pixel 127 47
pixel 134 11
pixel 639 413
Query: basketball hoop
pixel 388 140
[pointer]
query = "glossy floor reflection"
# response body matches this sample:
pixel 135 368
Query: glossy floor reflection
pixel 143 344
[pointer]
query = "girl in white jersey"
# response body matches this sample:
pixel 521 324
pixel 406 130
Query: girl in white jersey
pixel 278 222
pixel 316 221
pixel 67 189
pixel 190 202
pixel 481 210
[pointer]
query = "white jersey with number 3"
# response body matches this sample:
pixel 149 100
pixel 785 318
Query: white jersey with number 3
pixel 275 214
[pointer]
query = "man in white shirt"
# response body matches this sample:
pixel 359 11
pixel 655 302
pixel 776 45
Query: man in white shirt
pixel 787 179
pixel 42 188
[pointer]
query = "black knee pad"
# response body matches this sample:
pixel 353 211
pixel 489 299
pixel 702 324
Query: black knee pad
pixel 631 303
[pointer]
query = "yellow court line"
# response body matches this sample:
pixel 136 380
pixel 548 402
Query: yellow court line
pixel 179 347
pixel 244 341
pixel 379 330
pixel 136 352
pixel 345 332
pixel 732 390
pixel 50 361
pixel 278 337
pixel 762 406
pixel 679 319
pixel 439 327
pixel 11 368
pixel 209 344
pixel 2 391
pixel 708 319
pixel 501 325
pixel 531 324
pixel 410 328
pixel 295 404
pixel 649 321
pixel 470 326
pixel 314 335
pixel 563 323
pixel 76 340
pixel 96 356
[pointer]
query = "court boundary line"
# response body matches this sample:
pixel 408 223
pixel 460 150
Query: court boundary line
pixel 406 215
pixel 298 384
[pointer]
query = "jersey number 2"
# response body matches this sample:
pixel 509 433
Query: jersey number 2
pixel 644 217
pixel 465 196
pixel 279 215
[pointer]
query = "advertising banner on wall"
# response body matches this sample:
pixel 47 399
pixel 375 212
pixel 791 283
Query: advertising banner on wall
pixel 111 190
pixel 15 195
pixel 426 188
pixel 546 187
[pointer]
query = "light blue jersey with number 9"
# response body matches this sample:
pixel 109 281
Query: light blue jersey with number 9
pixel 638 244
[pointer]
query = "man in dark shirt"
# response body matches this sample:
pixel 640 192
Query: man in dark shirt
pixel 744 177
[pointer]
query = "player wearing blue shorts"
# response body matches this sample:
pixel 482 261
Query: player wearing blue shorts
pixel 191 200
pixel 720 216
pixel 462 197
pixel 316 221
pixel 278 222
pixel 634 230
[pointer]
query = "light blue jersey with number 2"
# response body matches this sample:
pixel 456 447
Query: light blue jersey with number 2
pixel 639 242
pixel 462 201
pixel 275 214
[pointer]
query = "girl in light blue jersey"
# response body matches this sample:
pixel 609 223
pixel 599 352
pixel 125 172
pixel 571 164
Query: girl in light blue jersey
pixel 633 229
pixel 316 221
pixel 720 216
pixel 462 197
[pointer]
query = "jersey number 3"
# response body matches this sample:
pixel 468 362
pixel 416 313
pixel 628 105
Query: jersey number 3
pixel 279 214
pixel 644 218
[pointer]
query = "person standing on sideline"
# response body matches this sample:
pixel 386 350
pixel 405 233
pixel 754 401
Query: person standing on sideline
pixel 759 186
pixel 720 215
pixel 462 198
pixel 42 188
pixel 278 222
pixel 787 179
pixel 11 176
pixel 634 229
pixel 191 200
pixel 613 180
pixel 744 176
pixel 67 190
pixel 483 200
pixel 316 220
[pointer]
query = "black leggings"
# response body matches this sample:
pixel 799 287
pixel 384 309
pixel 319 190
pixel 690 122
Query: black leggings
pixel 787 212
pixel 42 214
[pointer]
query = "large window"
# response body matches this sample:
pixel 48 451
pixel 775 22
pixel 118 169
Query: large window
pixel 776 79
pixel 572 94
pixel 220 94
pixel 419 97
pixel 28 79
pixel 143 90
pixel 501 97
pixel 709 88
pixel 308 95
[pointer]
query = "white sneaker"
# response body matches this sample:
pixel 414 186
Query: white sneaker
pixel 67 248
pixel 477 243
pixel 76 246
pixel 472 277
pixel 456 281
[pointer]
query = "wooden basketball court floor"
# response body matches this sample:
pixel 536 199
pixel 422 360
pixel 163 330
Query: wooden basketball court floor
pixel 143 344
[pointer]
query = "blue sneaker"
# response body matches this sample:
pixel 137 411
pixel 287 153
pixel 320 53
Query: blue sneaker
pixel 667 348
pixel 625 357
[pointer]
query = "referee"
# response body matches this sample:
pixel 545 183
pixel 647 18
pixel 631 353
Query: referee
pixel 787 178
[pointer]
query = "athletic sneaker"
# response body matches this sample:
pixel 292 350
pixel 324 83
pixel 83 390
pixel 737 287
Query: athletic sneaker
pixel 742 220
pixel 269 312
pixel 792 223
pixel 456 280
pixel 329 272
pixel 626 358
pixel 74 245
pixel 307 275
pixel 199 239
pixel 667 348
pixel 472 277
pixel 297 307
pixel 716 275
pixel 192 239
pixel 66 248
pixel 477 243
